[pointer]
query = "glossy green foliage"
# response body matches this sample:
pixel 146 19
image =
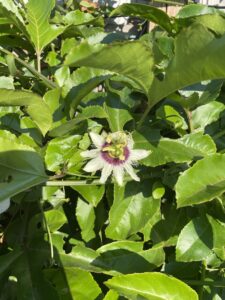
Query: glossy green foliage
pixel 151 286
pixel 146 12
pixel 132 59
pixel 155 227
pixel 188 48
pixel 40 31
pixel 33 104
pixel 201 237
pixel 207 178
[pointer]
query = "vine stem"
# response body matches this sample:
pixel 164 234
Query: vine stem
pixel 48 83
pixel 72 182
pixel 201 283
pixel 189 116
pixel 49 236
pixel 201 289
pixel 38 61
pixel 155 174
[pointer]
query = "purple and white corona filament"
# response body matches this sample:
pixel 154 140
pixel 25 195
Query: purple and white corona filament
pixel 113 154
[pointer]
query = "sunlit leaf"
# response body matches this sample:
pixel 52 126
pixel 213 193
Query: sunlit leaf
pixel 132 59
pixel 202 182
pixel 207 114
pixel 86 219
pixel 129 203
pixel 118 114
pixel 146 12
pixel 188 49
pixel 39 29
pixel 11 12
pixel 199 238
pixel 152 286
pixel 34 105
pixel 59 151
pixel 73 279
pixel 93 194
pixel 164 150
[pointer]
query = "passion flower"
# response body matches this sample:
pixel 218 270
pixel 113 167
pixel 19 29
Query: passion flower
pixel 113 153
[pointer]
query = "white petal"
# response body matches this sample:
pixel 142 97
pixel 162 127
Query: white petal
pixel 4 205
pixel 94 165
pixel 130 143
pixel 90 153
pixel 106 171
pixel 138 154
pixel 118 174
pixel 131 172
pixel 97 139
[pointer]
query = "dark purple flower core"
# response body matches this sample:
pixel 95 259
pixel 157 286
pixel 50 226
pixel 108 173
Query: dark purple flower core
pixel 111 157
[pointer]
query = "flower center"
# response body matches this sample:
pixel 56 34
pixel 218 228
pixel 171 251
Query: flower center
pixel 115 150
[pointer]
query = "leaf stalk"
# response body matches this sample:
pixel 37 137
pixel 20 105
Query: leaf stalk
pixel 48 83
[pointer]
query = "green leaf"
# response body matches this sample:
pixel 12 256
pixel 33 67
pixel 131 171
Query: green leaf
pixel 6 83
pixel 111 295
pixel 213 20
pixel 10 11
pixel 207 114
pixel 152 286
pixel 131 202
pixel 86 219
pixel 164 150
pixel 110 259
pixel 158 190
pixel 146 12
pixel 199 238
pixel 93 194
pixel 52 59
pixel 83 258
pixel 69 283
pixel 25 268
pixel 61 75
pixel 193 10
pixel 188 48
pixel 31 283
pixel 7 260
pixel 20 168
pixel 56 106
pixel 202 182
pixel 89 112
pixel 172 116
pixel 34 105
pixel 59 151
pixel 55 219
pixel 51 220
pixel 132 59
pixel 165 232
pixel 78 17
pixel 118 113
pixel 126 244
pixel 39 29
pixel 80 84
pixel 129 257
pixel 198 94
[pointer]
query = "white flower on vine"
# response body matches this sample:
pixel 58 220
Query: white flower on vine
pixel 113 154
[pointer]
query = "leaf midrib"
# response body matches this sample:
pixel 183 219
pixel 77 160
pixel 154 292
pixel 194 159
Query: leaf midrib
pixel 23 171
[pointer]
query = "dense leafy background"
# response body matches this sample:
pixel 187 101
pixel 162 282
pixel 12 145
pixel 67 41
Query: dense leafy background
pixel 66 236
